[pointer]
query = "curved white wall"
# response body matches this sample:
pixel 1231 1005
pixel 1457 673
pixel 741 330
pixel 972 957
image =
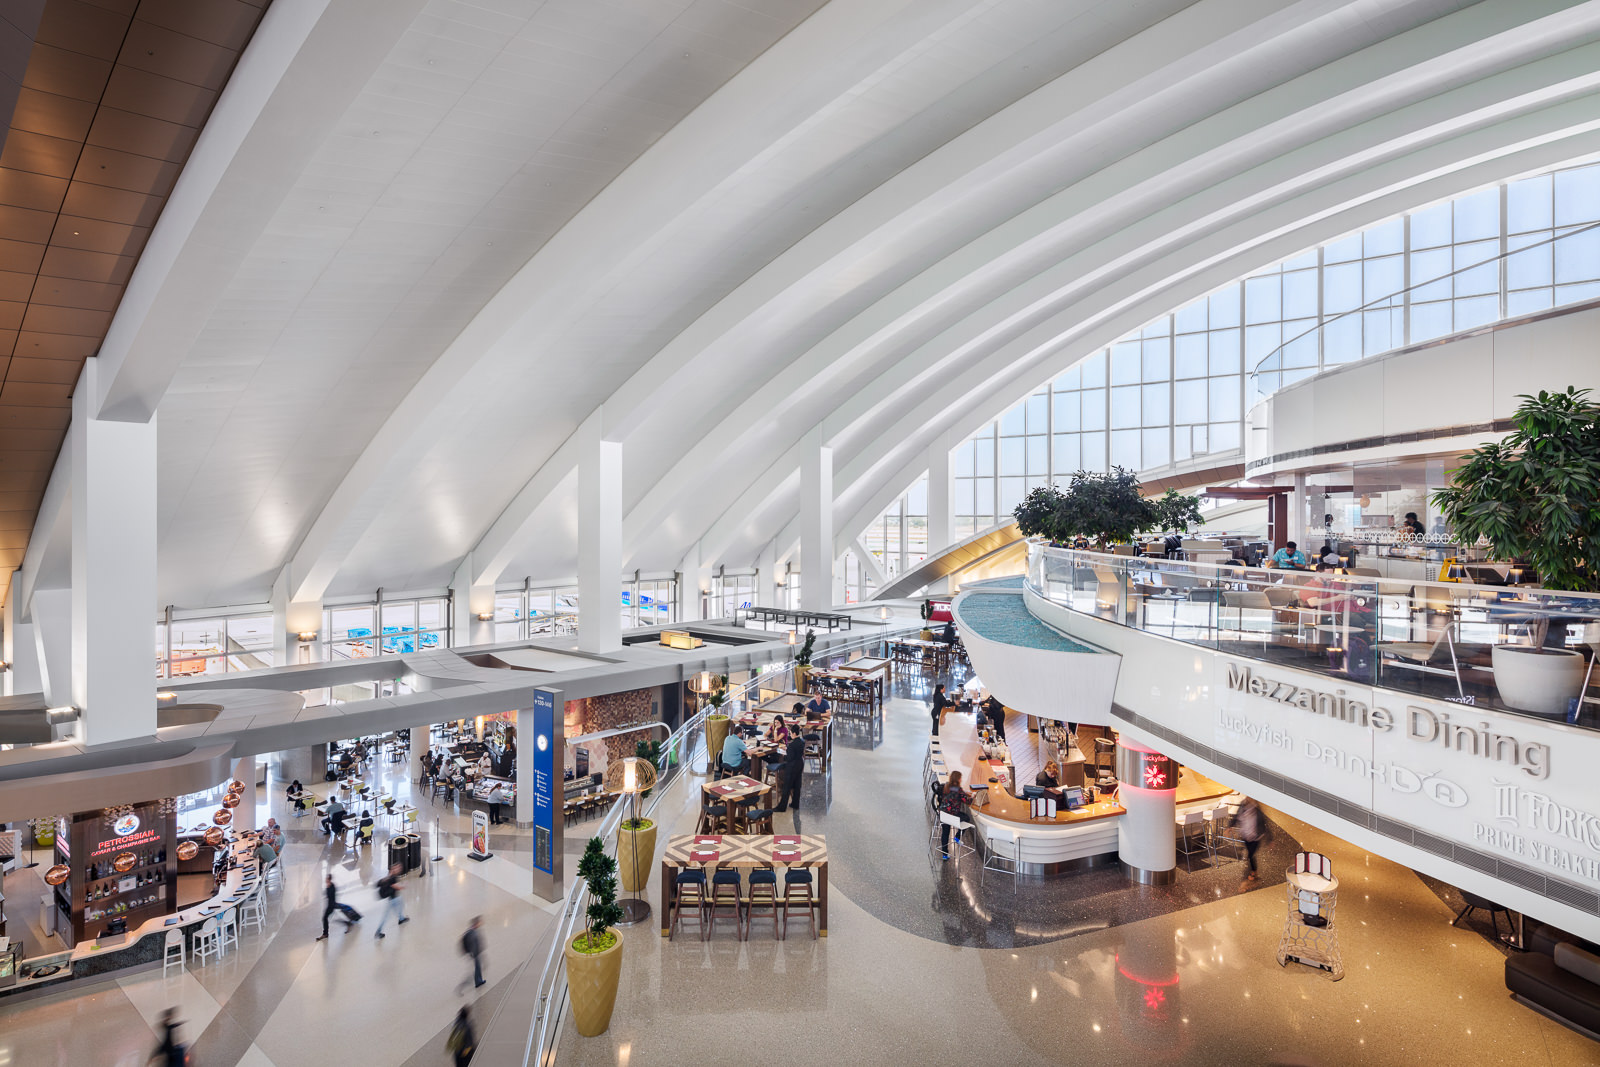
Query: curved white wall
pixel 1066 686
pixel 1469 381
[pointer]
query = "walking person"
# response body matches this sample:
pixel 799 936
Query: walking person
pixel 171 1052
pixel 389 892
pixel 794 765
pixel 940 703
pixel 1252 828
pixel 351 915
pixel 462 1042
pixel 472 946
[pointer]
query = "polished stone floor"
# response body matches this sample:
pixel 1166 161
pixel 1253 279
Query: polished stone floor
pixel 927 964
pixel 283 998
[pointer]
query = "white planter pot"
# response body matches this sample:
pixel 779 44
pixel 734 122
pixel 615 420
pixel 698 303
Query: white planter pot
pixel 1540 680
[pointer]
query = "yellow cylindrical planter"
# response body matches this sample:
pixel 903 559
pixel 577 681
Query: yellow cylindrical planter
pixel 636 850
pixel 716 734
pixel 592 985
pixel 800 675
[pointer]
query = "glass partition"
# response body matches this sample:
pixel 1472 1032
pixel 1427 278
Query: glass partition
pixel 1513 648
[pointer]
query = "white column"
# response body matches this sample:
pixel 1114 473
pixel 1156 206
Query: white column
pixel 52 642
pixel 290 619
pixel 1147 832
pixel 244 816
pixel 599 539
pixel 419 748
pixel 113 569
pixel 692 578
pixel 20 652
pixel 767 576
pixel 816 527
pixel 940 520
pixel 469 602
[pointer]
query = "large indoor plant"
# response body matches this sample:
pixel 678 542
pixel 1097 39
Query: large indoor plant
pixel 1534 496
pixel 594 957
pixel 717 721
pixel 1105 508
pixel 1176 512
pixel 802 661
pixel 927 620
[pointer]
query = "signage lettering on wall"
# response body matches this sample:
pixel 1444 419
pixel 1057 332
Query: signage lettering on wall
pixel 1423 725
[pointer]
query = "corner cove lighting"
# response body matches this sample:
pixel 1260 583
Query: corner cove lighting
pixel 307 635
pixel 166 696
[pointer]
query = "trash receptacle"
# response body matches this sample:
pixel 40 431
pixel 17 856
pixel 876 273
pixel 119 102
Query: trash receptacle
pixel 414 852
pixel 399 852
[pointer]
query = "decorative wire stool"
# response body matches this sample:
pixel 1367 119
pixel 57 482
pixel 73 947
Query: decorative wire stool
pixel 1309 934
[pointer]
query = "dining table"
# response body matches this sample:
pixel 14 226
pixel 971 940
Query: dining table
pixel 744 852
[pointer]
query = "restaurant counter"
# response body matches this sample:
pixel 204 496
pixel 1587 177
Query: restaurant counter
pixel 143 944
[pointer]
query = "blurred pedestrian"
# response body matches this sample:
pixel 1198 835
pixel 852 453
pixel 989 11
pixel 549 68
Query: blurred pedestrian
pixel 389 892
pixel 171 1052
pixel 351 915
pixel 462 1042
pixel 472 946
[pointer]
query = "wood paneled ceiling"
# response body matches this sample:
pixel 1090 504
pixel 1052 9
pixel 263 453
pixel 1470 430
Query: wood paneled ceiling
pixel 112 98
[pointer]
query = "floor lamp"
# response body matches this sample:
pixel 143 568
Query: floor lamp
pixel 633 776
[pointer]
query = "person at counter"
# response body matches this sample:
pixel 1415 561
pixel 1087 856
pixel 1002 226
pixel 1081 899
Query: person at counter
pixel 818 706
pixel 496 797
pixel 941 703
pixel 1289 557
pixel 733 757
pixel 1412 525
pixel 273 834
pixel 485 765
pixel 948 634
pixel 1049 778
pixel 778 730
pixel 953 802
pixel 995 712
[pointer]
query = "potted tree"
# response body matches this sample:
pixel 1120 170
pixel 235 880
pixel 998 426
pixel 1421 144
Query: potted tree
pixel 1176 512
pixel 927 620
pixel 1532 496
pixel 44 831
pixel 802 661
pixel 717 722
pixel 594 957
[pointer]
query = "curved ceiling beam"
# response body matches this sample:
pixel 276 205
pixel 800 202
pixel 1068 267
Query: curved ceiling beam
pixel 793 379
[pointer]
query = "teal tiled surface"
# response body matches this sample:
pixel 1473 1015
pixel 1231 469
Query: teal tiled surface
pixel 1004 618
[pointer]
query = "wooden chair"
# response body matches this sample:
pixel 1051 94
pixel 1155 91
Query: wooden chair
pixel 797 882
pixel 764 895
pixel 689 890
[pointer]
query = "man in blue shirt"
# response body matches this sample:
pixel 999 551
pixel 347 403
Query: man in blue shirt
pixel 818 706
pixel 1289 557
pixel 733 752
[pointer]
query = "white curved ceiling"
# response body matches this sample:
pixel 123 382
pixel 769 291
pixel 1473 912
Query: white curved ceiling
pixel 439 235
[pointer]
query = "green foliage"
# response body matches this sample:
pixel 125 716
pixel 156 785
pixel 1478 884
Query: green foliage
pixel 1535 495
pixel 1105 508
pixel 803 657
pixel 719 693
pixel 927 610
pixel 600 871
pixel 1176 511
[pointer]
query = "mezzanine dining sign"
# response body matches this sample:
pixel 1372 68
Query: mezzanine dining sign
pixel 1419 724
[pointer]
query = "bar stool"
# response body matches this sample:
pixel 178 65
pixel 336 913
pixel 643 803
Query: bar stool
pixel 758 821
pixel 726 886
pixel 797 883
pixel 173 952
pixel 764 894
pixel 207 941
pixel 690 889
pixel 713 819
pixel 228 930
pixel 253 913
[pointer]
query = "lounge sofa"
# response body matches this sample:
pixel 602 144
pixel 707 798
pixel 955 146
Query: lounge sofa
pixel 1559 975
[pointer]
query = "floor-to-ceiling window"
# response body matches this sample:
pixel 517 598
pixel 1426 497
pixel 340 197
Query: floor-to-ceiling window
pixel 1178 389
pixel 213 643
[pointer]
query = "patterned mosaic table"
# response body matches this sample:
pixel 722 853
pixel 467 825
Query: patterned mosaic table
pixel 711 851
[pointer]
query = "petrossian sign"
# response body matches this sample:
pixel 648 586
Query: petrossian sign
pixel 1419 724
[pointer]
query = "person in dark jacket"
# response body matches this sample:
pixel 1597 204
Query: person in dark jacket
pixel 948 634
pixel 794 764
pixel 472 945
pixel 351 915
pixel 954 801
pixel 171 1051
pixel 996 714
pixel 462 1042
pixel 940 703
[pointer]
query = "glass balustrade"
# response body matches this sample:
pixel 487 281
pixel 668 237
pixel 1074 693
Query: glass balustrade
pixel 1512 648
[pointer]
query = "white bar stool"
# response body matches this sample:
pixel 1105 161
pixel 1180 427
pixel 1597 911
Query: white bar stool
pixel 174 952
pixel 207 941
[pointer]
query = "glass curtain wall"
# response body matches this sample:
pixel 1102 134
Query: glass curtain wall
pixel 214 644
pixel 649 602
pixel 898 538
pixel 729 593
pixel 535 611
pixel 363 630
pixel 1179 388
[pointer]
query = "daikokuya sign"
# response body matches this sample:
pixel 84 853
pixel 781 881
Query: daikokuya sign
pixel 1514 787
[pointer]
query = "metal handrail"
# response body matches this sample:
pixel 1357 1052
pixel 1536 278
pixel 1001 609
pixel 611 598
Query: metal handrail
pixel 545 1032
pixel 1379 303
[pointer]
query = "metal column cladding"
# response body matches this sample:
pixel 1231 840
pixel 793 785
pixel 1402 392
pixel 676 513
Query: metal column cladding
pixel 547 741
pixel 1148 770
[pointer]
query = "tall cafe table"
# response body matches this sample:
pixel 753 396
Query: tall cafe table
pixel 783 705
pixel 746 852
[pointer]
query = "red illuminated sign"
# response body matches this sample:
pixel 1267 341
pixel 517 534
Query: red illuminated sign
pixel 1155 776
